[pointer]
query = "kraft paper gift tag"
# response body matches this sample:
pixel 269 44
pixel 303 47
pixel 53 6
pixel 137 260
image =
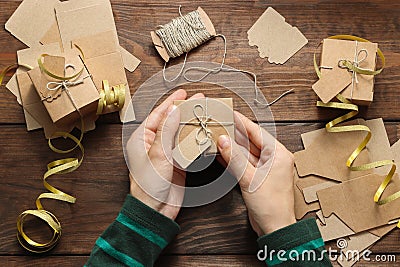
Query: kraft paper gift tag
pixel 104 62
pixel 61 106
pixel 219 112
pixel 275 38
pixel 335 50
pixel 332 83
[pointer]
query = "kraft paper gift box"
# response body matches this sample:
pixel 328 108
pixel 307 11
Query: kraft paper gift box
pixel 218 112
pixel 63 104
pixel 336 80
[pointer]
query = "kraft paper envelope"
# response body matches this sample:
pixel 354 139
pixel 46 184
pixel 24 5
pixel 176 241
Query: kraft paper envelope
pixel 104 62
pixel 352 201
pixel 335 50
pixel 275 38
pixel 31 20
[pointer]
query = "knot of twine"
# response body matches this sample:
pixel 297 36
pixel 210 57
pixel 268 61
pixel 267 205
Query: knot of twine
pixel 64 85
pixel 353 66
pixel 203 120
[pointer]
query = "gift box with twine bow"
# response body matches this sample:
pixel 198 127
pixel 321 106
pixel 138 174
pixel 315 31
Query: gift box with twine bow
pixel 202 122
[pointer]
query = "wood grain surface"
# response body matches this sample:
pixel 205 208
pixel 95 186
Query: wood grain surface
pixel 218 234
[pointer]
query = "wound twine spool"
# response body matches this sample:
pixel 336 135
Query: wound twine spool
pixel 187 32
pixel 345 104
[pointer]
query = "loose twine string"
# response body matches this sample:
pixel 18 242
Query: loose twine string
pixel 344 104
pixel 187 32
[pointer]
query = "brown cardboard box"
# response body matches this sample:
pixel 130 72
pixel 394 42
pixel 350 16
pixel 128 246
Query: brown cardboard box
pixel 62 107
pixel 335 50
pixel 221 122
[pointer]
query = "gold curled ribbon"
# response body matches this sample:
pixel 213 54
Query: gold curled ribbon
pixel 111 96
pixel 12 68
pixel 62 78
pixel 353 111
pixel 61 166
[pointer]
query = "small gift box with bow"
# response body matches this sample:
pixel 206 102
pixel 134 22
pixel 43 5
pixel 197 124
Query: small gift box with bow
pixel 348 67
pixel 202 122
pixel 65 88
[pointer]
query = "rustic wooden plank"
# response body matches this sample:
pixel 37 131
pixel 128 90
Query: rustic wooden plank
pixel 317 19
pixel 242 260
pixel 101 184
pixel 167 261
pixel 43 260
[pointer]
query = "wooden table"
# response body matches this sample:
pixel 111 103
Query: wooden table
pixel 218 234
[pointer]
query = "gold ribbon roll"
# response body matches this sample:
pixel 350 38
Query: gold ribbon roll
pixel 111 96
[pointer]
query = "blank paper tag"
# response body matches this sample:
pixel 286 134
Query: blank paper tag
pixel 275 38
pixel 188 150
pixel 332 83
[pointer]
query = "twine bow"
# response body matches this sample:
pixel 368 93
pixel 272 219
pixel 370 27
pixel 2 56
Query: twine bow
pixel 203 122
pixel 353 66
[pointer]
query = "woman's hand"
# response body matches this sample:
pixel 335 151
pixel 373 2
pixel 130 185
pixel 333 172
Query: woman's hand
pixel 264 168
pixel 154 179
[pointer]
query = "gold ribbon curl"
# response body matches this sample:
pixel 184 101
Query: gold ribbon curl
pixel 61 166
pixel 114 96
pixel 347 105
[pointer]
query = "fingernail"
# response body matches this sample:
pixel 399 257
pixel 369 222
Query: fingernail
pixel 171 109
pixel 224 141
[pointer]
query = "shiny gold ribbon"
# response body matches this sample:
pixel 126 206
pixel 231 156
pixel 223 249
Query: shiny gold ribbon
pixel 347 105
pixel 12 68
pixel 61 166
pixel 111 96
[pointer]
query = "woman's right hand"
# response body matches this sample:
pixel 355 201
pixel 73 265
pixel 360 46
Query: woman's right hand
pixel 264 168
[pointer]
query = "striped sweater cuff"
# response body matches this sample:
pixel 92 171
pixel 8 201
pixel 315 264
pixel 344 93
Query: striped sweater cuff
pixel 135 238
pixel 282 246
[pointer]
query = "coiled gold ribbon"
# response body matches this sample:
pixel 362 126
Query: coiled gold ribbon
pixel 114 96
pixel 347 105
pixel 111 96
pixel 61 166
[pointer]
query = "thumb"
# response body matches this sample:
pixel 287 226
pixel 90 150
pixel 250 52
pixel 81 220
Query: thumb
pixel 166 131
pixel 238 164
